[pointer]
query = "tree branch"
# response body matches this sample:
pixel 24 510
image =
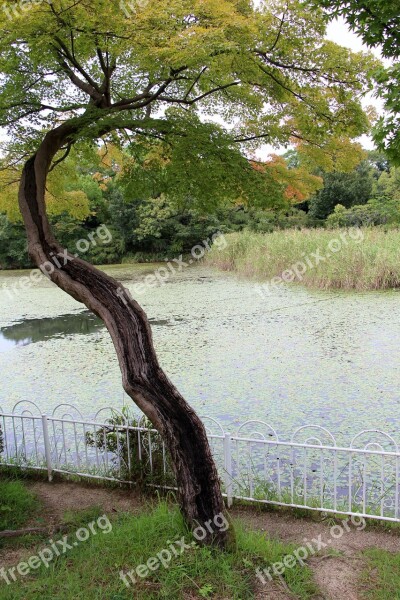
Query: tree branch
pixel 201 97
pixel 252 137
pixel 280 30
pixel 195 82
pixel 79 83
pixel 63 157
pixel 67 54
pixel 294 93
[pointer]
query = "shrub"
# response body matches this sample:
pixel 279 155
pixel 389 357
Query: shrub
pixel 141 455
pixel 379 211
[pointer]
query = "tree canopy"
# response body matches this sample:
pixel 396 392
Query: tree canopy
pixel 189 86
pixel 378 24
pixel 377 21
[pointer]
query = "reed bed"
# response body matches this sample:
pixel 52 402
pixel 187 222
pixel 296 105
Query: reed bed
pixel 347 259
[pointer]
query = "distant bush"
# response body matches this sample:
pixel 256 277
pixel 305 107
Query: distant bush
pixel 354 188
pixel 379 211
pixel 13 245
pixel 267 221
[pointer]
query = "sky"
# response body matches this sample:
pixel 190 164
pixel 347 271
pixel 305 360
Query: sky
pixel 339 32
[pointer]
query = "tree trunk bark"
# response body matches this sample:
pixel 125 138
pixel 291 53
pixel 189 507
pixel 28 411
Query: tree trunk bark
pixel 143 379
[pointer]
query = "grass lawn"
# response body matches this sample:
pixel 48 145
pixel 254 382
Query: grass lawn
pixel 91 569
pixel 382 576
pixel 17 504
pixel 118 540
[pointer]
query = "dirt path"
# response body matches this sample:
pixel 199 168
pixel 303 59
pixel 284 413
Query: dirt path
pixel 338 563
pixel 334 550
pixel 57 498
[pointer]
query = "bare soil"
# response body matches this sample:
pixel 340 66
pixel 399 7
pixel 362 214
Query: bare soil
pixel 338 565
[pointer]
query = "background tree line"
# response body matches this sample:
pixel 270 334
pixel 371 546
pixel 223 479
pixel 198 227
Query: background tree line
pixel 155 227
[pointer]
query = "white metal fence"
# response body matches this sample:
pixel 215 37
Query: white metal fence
pixel 308 471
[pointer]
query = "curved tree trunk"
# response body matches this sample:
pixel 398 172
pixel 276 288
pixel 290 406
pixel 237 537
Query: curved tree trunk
pixel 143 379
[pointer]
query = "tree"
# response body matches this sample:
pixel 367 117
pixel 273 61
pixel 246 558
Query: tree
pixel 72 72
pixel 378 24
pixel 379 161
pixel 297 183
pixel 348 189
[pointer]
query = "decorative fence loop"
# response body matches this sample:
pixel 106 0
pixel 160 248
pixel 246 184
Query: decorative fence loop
pixel 310 440
pixel 258 433
pixel 369 432
pixel 112 412
pixel 66 415
pixel 26 411
pixel 209 422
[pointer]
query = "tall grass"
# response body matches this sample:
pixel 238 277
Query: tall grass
pixel 354 259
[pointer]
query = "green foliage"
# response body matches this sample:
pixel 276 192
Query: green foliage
pixel 376 21
pixel 156 226
pixel 387 130
pixel 378 24
pixel 199 166
pixel 347 189
pixel 375 212
pixel 193 64
pixel 63 192
pixel 379 161
pixel 160 227
pixel 388 185
pixel 383 208
pixel 97 201
pixel 13 245
pixel 70 231
pixel 267 221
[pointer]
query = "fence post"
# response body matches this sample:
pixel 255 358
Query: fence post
pixel 47 448
pixel 228 468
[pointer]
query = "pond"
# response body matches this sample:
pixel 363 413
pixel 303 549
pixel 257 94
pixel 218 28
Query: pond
pixel 291 358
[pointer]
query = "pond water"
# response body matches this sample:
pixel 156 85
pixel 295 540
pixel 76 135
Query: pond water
pixel 291 358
